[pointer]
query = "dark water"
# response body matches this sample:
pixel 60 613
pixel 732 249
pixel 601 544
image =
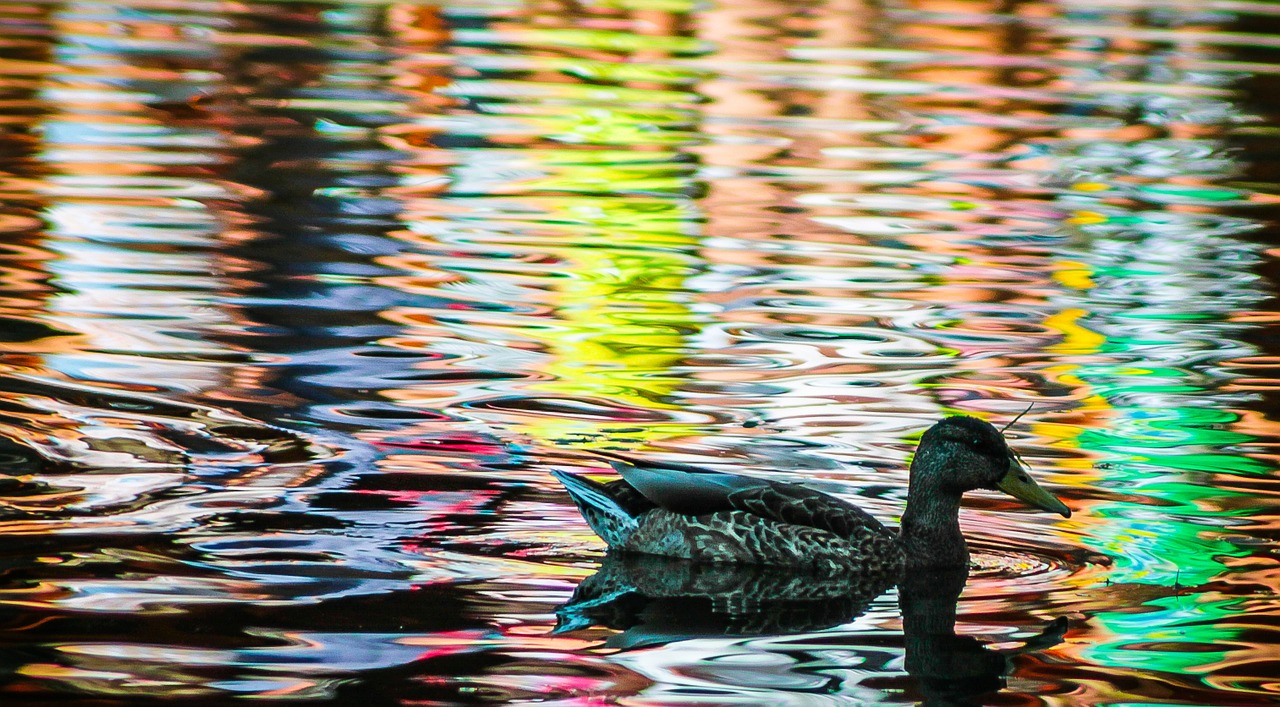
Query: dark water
pixel 301 301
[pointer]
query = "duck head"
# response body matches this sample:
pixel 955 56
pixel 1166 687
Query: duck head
pixel 964 453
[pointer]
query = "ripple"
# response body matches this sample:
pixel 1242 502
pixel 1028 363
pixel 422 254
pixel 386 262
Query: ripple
pixel 996 564
pixel 584 408
pixel 301 303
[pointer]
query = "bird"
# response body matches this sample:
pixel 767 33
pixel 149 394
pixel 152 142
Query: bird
pixel 682 511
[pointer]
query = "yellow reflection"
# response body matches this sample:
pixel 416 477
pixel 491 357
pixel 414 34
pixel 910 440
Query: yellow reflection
pixel 607 318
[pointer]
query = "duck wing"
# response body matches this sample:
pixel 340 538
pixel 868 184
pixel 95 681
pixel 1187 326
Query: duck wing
pixel 681 488
pixel 798 505
pixel 690 490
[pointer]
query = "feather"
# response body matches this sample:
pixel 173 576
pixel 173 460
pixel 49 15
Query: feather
pixel 606 515
pixel 675 510
pixel 681 488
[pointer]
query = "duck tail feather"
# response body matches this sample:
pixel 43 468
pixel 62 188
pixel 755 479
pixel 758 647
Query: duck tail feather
pixel 606 516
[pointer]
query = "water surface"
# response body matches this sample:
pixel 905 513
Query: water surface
pixel 302 301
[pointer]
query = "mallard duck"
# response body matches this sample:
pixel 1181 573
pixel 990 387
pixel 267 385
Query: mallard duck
pixel 675 510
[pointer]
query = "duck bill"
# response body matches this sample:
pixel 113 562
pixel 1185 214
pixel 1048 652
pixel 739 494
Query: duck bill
pixel 1019 484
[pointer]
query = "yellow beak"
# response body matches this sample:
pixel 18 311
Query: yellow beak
pixel 1019 484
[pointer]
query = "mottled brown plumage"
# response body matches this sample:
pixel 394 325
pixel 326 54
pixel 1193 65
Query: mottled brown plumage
pixel 742 537
pixel 674 510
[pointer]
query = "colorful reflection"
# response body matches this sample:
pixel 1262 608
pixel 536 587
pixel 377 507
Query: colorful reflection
pixel 302 301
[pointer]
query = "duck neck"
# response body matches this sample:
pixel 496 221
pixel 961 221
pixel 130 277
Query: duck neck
pixel 930 531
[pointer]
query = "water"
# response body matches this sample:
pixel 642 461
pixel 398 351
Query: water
pixel 301 302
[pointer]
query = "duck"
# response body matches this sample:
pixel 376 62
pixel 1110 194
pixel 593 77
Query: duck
pixel 704 516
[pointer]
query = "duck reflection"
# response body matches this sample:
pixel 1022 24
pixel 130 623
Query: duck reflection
pixel 653 601
pixel 950 668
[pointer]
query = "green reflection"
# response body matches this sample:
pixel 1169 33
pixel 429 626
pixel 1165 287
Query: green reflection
pixel 1178 634
pixel 1168 423
pixel 1156 326
pixel 1154 428
pixel 1149 451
